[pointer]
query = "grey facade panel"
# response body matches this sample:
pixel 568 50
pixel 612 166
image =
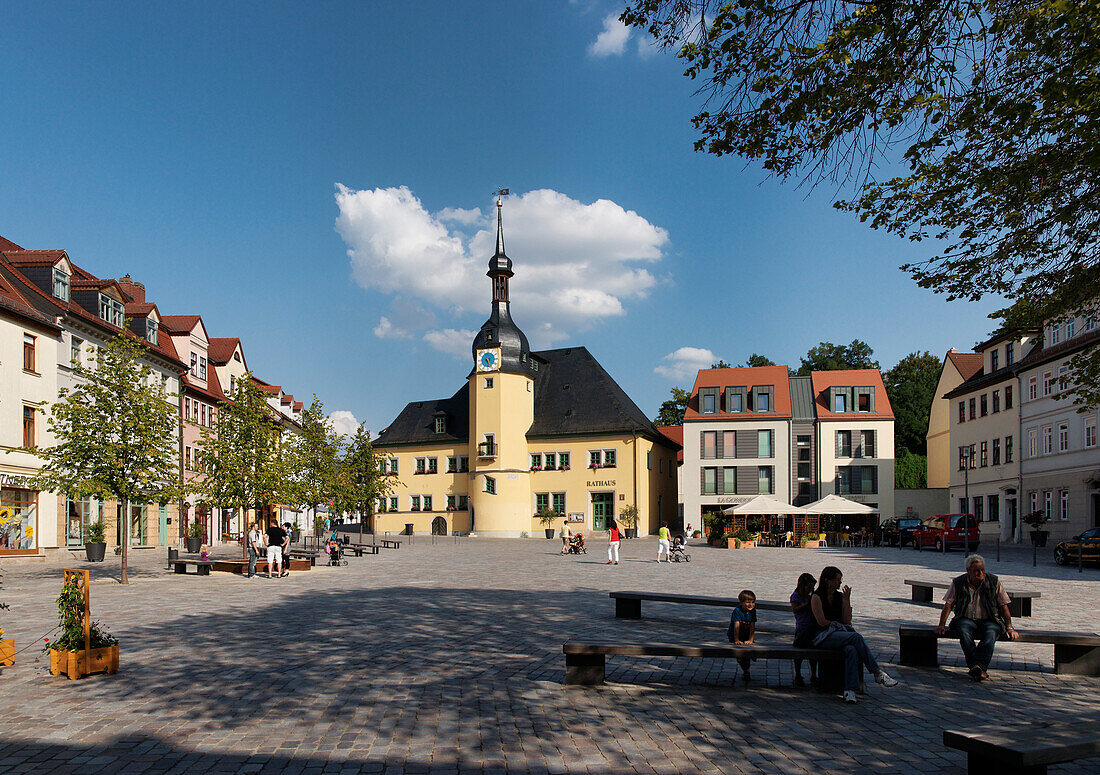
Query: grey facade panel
pixel 748 444
pixel 802 399
pixel 748 480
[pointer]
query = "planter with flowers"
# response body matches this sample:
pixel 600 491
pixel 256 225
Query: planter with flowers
pixel 536 468
pixel 1036 520
pixel 742 539
pixel 83 647
pixel 564 467
pixel 810 541
pixel 95 544
pixel 196 532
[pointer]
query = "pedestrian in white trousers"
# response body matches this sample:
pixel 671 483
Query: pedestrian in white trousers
pixel 612 542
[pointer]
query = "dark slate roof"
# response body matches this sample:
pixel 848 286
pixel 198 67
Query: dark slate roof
pixel 574 396
pixel 416 423
pixel 1050 352
pixel 802 399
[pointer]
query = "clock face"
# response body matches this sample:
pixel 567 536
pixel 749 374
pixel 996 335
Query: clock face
pixel 487 360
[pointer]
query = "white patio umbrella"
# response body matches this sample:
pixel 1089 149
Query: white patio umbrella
pixel 764 504
pixel 834 504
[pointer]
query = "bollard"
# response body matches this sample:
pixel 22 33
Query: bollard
pixel 1034 554
pixel 998 548
pixel 1080 553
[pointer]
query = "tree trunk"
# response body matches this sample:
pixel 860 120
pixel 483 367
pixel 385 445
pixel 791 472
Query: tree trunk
pixel 124 515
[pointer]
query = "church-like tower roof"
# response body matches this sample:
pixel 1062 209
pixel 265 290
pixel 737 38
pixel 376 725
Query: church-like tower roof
pixel 500 331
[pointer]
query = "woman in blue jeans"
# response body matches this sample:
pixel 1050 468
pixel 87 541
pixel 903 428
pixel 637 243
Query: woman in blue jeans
pixel 832 609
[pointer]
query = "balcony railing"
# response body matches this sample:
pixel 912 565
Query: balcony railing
pixel 487 449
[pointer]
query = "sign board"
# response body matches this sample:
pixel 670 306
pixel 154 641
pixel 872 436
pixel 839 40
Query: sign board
pixel 597 483
pixel 575 516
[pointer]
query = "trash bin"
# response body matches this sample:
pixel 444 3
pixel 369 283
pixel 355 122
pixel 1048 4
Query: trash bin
pixel 173 554
pixel 408 528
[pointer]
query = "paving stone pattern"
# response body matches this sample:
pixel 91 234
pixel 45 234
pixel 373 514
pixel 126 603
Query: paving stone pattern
pixel 445 657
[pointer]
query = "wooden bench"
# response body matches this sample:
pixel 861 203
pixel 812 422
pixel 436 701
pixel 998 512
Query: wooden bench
pixel 1019 606
pixel 360 549
pixel 585 661
pixel 1023 750
pixel 628 605
pixel 303 554
pixel 1075 653
pixel 241 566
pixel 202 567
pixel 389 543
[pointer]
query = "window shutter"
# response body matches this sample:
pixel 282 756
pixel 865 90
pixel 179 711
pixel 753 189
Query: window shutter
pixel 702 481
pixel 702 445
pixel 874 479
pixel 836 436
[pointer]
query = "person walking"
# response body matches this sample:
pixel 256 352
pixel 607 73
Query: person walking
pixel 566 536
pixel 980 605
pixel 276 536
pixel 664 543
pixel 255 541
pixel 832 610
pixel 613 538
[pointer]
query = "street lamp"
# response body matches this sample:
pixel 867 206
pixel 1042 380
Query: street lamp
pixel 968 459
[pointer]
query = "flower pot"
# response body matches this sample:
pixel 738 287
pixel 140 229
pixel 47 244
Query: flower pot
pixel 550 532
pixel 1039 537
pixel 7 652
pixel 733 543
pixel 194 545
pixel 811 544
pixel 95 552
pixel 77 664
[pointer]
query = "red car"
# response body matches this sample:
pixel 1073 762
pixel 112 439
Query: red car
pixel 947 531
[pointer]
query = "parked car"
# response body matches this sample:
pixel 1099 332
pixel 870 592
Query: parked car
pixel 899 532
pixel 1087 544
pixel 947 531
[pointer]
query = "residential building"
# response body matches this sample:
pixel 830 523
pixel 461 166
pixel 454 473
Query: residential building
pixel 1060 465
pixel 529 429
pixel 957 368
pixel 984 420
pixel 675 434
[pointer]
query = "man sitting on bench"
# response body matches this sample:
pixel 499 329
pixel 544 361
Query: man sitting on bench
pixel 980 605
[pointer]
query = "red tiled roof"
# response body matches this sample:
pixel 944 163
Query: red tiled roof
pixel 213 387
pixel 747 377
pixel 297 406
pixel 823 380
pixel 7 244
pixel 20 257
pixel 267 387
pixel 967 364
pixel 179 324
pixel 674 433
pixel 13 301
pixel 139 309
pixel 287 399
pixel 220 349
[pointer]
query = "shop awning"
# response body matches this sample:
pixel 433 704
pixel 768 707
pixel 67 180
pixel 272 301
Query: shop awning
pixel 764 504
pixel 834 504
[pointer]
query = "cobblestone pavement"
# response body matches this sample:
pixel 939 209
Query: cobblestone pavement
pixel 446 657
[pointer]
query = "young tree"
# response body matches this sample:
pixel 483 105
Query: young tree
pixel 911 386
pixel 721 364
pixel 992 106
pixel 910 471
pixel 116 436
pixel 241 459
pixel 759 360
pixel 827 356
pixel 672 410
pixel 314 459
pixel 361 483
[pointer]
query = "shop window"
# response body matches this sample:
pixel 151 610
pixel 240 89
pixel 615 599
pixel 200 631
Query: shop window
pixel 19 532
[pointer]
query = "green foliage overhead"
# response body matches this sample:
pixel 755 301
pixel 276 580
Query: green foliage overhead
pixel 721 364
pixel 827 356
pixel 759 360
pixel 313 459
pixel 116 434
pixel 911 386
pixel 990 109
pixel 672 410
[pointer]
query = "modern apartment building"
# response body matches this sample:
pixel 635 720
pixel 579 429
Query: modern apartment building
pixel 756 430
pixel 1060 464
pixel 984 421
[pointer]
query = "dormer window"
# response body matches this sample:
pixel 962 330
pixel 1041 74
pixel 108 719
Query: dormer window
pixel 202 367
pixel 237 357
pixel 151 330
pixel 111 310
pixel 194 365
pixel 60 284
pixel 440 424
pixel 840 402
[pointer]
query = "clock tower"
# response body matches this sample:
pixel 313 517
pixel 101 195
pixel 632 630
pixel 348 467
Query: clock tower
pixel 502 408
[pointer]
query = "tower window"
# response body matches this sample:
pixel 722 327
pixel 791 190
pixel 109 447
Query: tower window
pixel 488 383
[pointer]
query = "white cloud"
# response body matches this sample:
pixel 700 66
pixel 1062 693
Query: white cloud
pixel 344 422
pixel 451 341
pixel 612 40
pixel 684 363
pixel 460 215
pixel 560 247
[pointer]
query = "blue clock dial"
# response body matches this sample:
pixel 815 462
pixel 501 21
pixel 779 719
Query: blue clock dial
pixel 488 360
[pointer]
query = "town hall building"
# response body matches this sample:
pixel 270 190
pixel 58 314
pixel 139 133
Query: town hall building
pixel 528 430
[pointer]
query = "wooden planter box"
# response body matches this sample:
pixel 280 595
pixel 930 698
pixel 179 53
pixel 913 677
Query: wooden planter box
pixel 77 664
pixel 733 543
pixel 811 544
pixel 7 652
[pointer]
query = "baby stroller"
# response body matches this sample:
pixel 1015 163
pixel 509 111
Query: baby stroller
pixel 576 544
pixel 678 554
pixel 335 555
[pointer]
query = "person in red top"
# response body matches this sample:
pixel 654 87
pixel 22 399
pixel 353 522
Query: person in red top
pixel 612 542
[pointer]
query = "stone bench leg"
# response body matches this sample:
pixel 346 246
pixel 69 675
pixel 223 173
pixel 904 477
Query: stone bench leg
pixel 922 594
pixel 1077 660
pixel 584 669
pixel 1019 607
pixel 628 609
pixel 181 568
pixel 976 764
pixel 204 570
pixel 919 652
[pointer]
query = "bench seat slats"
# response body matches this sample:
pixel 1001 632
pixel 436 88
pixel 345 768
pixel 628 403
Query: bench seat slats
pixel 760 650
pixel 1026 636
pixel 722 602
pixel 945 585
pixel 1031 746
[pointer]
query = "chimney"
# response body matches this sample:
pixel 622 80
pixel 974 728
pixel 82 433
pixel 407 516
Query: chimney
pixel 135 290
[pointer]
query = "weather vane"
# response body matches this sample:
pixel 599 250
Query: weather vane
pixel 500 193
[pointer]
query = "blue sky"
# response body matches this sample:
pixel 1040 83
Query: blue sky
pixel 316 179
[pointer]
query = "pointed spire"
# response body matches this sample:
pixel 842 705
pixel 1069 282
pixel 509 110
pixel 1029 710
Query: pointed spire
pixel 500 264
pixel 500 230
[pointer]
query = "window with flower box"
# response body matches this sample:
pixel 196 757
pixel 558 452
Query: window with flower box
pixel 550 461
pixel 427 500
pixel 414 503
pixel 536 462
pixel 563 460
pixel 393 503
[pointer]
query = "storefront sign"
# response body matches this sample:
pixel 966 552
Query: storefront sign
pixel 14 480
pixel 608 483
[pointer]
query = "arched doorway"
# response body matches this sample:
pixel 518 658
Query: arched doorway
pixel 439 526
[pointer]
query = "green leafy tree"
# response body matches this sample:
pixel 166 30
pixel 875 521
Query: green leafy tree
pixel 759 360
pixel 116 435
pixel 911 386
pixel 721 364
pixel 361 483
pixel 672 410
pixel 241 459
pixel 910 471
pixel 827 356
pixel 983 115
pixel 313 459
